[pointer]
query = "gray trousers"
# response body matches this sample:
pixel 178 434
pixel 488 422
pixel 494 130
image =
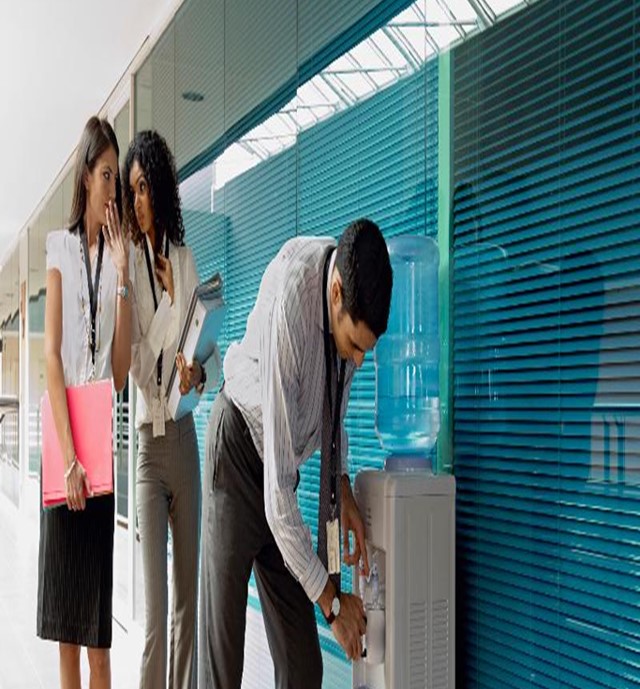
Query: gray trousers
pixel 168 494
pixel 235 539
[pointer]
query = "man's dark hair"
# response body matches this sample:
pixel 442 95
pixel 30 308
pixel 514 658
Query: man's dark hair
pixel 97 137
pixel 151 151
pixel 363 261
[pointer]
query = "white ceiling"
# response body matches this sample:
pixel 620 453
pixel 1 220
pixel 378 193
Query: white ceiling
pixel 59 61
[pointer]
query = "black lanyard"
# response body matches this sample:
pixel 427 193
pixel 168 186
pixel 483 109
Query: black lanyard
pixel 329 358
pixel 153 292
pixel 93 288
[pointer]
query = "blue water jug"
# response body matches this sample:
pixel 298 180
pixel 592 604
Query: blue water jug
pixel 407 356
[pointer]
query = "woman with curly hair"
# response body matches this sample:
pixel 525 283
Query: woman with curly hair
pixel 168 468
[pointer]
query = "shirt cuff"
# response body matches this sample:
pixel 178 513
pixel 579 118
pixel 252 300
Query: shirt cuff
pixel 314 579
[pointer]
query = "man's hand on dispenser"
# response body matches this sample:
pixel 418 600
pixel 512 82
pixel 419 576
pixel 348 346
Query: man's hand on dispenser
pixel 352 521
pixel 349 624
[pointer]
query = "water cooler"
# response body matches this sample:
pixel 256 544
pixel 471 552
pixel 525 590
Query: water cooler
pixel 409 511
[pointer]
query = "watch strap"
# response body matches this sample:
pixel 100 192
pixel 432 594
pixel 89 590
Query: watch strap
pixel 330 618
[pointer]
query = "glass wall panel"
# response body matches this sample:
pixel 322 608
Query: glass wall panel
pixel 121 420
pixel 200 78
pixel 67 195
pixel 301 119
pixel 121 569
pixel 546 291
pixel 252 76
pixel 121 129
pixel 155 89
pixel 358 139
pixel 9 329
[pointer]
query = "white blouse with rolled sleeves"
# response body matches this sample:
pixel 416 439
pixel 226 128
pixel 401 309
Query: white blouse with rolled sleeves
pixel 155 330
pixel 64 254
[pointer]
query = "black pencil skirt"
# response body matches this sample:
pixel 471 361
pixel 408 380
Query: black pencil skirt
pixel 75 573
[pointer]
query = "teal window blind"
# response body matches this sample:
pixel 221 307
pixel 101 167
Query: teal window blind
pixel 546 297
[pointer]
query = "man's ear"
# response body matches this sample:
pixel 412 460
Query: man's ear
pixel 336 289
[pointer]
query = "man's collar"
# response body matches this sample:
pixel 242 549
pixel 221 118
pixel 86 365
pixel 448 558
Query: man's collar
pixel 332 263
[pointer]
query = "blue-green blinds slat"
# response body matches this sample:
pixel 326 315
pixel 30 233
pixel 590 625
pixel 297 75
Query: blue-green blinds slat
pixel 546 349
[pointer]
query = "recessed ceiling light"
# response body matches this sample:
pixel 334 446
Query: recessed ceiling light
pixel 193 96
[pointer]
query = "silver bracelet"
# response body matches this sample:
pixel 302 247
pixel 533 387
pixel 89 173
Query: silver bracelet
pixel 72 466
pixel 123 290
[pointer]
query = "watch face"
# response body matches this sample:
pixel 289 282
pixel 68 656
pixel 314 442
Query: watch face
pixel 335 606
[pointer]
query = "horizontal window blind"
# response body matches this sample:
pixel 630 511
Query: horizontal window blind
pixel 546 347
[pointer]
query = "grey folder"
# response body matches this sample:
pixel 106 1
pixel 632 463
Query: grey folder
pixel 198 337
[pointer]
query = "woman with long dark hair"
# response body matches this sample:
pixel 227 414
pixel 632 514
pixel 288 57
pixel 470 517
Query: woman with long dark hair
pixel 168 470
pixel 87 335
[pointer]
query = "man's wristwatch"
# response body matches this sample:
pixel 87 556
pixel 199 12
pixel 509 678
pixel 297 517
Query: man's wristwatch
pixel 335 609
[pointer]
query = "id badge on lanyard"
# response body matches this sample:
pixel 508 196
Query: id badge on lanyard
pixel 158 402
pixel 93 290
pixel 157 415
pixel 333 523
pixel 333 546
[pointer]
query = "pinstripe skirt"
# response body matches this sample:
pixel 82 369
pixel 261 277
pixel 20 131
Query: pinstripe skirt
pixel 75 573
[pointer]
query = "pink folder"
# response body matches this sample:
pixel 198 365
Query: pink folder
pixel 90 415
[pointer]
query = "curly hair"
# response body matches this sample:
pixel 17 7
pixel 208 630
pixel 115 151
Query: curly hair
pixel 152 153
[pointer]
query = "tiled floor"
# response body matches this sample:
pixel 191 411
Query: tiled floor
pixel 27 662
